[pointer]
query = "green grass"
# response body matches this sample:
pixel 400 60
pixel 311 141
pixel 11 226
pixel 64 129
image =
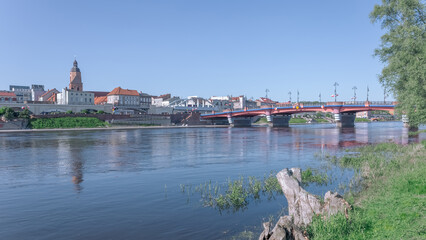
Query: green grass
pixel 311 175
pixel 261 120
pixel 416 132
pixel 297 120
pixel 321 120
pixel 362 120
pixel 67 122
pixel 237 194
pixel 392 204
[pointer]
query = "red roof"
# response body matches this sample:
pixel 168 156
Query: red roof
pixel 7 94
pixel 266 100
pixel 52 98
pixel 120 91
pixel 101 100
pixel 49 91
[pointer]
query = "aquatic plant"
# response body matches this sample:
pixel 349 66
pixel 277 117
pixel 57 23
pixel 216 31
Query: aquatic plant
pixel 313 176
pixel 236 194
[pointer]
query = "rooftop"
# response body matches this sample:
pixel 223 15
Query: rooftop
pixel 7 94
pixel 120 91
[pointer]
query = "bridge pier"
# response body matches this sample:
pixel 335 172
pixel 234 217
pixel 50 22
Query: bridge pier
pixel 240 121
pixel 345 120
pixel 280 120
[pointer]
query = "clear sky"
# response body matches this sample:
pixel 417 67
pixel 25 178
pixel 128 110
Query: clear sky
pixel 193 47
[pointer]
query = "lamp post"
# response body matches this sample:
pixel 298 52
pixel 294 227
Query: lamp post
pixel 368 91
pixel 289 96
pixel 319 98
pixel 298 96
pixel 266 91
pixel 335 91
pixel 354 88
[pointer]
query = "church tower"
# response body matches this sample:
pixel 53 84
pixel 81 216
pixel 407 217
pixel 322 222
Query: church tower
pixel 75 78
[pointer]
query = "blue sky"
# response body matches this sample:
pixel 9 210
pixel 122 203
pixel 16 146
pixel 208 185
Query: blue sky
pixel 193 47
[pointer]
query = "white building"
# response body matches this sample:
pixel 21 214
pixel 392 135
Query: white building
pixel 123 97
pixel 37 91
pixel 71 97
pixel 23 93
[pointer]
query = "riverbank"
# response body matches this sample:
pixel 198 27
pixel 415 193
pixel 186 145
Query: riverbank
pixel 109 128
pixel 392 202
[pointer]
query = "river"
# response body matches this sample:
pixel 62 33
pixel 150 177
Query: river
pixel 125 184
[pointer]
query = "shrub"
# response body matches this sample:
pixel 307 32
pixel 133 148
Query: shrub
pixel 9 114
pixel 67 122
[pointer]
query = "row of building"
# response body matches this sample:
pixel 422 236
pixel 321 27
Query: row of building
pixel 123 99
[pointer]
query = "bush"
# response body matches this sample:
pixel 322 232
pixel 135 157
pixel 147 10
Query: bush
pixel 3 110
pixel 67 122
pixel 69 112
pixel 24 114
pixel 9 114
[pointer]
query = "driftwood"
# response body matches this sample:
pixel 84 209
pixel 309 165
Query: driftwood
pixel 302 206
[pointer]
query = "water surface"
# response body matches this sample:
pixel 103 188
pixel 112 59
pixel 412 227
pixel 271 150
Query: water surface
pixel 124 184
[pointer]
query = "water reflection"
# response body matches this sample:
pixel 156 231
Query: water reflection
pixel 119 176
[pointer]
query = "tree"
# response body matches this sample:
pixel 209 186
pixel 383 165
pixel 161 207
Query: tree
pixel 3 110
pixel 24 114
pixel 403 51
pixel 9 114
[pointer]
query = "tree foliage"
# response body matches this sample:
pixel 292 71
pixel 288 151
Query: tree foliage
pixel 9 114
pixel 403 50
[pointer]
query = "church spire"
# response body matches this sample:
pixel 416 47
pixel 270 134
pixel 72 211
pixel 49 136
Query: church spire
pixel 75 67
pixel 75 78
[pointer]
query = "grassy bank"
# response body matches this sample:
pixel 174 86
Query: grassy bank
pixel 392 203
pixel 67 122
pixel 362 120
pixel 297 120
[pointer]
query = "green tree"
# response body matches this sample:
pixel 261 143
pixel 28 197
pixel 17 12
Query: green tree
pixel 9 114
pixel 24 114
pixel 403 51
pixel 3 110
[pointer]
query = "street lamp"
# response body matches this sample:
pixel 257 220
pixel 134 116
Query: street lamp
pixel 335 91
pixel 354 88
pixel 297 95
pixel 289 96
pixel 368 91
pixel 319 98
pixel 266 91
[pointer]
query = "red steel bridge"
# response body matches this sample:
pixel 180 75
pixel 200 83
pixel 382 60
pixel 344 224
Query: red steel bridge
pixel 279 116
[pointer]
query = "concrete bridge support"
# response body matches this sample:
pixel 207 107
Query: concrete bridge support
pixel 280 120
pixel 240 121
pixel 345 120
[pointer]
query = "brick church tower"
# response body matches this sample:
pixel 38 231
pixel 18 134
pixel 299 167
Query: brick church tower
pixel 75 78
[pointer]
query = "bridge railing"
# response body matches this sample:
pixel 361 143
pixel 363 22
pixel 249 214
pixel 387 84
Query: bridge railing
pixel 354 103
pixel 382 103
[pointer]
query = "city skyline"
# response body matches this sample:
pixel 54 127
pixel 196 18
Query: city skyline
pixel 190 48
